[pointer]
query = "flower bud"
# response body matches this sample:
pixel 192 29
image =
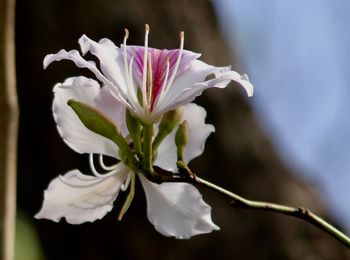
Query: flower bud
pixel 182 139
pixel 98 123
pixel 94 120
pixel 169 121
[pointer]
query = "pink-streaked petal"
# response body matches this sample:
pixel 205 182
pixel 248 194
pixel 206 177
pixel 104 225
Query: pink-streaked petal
pixel 177 209
pixel 80 198
pixel 71 129
pixel 111 61
pixel 199 131
pixel 159 60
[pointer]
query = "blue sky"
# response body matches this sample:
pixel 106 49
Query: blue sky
pixel 297 53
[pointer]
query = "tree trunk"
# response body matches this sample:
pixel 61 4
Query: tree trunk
pixel 8 129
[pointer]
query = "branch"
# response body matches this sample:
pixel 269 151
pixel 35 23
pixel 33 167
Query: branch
pixel 186 175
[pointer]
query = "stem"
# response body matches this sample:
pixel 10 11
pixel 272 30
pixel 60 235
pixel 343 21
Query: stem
pixel 147 147
pixel 300 213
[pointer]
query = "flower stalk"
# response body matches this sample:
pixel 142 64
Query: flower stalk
pixel 135 131
pixel 148 132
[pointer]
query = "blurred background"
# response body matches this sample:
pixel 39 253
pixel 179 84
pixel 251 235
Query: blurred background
pixel 297 54
pixel 287 144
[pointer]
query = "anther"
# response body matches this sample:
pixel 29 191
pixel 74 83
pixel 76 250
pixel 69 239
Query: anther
pixel 182 35
pixel 126 36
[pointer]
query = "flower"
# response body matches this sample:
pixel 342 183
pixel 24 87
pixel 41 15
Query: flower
pixel 175 209
pixel 149 81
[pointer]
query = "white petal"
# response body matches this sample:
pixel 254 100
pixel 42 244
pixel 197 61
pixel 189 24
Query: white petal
pixel 80 198
pixel 191 84
pixel 111 61
pixel 197 72
pixel 74 56
pixel 72 130
pixel 177 209
pixel 80 62
pixel 199 132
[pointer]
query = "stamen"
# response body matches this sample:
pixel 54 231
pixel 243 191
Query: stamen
pixel 125 185
pixel 92 166
pixel 126 34
pixel 166 89
pixel 182 39
pixel 116 168
pixel 144 72
pixel 105 167
pixel 125 52
pixel 150 79
pixel 129 84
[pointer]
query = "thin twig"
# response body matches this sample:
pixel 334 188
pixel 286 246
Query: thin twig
pixel 300 212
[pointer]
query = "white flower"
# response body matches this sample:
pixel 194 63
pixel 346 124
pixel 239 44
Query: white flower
pixel 175 209
pixel 166 79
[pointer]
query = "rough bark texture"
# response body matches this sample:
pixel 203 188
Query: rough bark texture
pixel 238 156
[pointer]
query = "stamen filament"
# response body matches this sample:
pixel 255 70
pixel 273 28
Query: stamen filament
pixel 150 79
pixel 138 106
pixel 128 70
pixel 118 167
pixel 166 89
pixel 125 185
pixel 144 72
pixel 105 167
pixel 182 39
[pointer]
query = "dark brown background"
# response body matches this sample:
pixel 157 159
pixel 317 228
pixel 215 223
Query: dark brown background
pixel 238 156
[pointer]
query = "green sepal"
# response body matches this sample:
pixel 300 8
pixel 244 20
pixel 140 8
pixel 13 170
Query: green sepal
pixel 181 139
pixel 98 123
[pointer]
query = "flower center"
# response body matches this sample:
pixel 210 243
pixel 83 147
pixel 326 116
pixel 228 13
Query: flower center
pixel 154 70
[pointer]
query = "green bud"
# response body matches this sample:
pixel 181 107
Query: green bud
pixel 98 123
pixel 94 120
pixel 182 139
pixel 169 121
